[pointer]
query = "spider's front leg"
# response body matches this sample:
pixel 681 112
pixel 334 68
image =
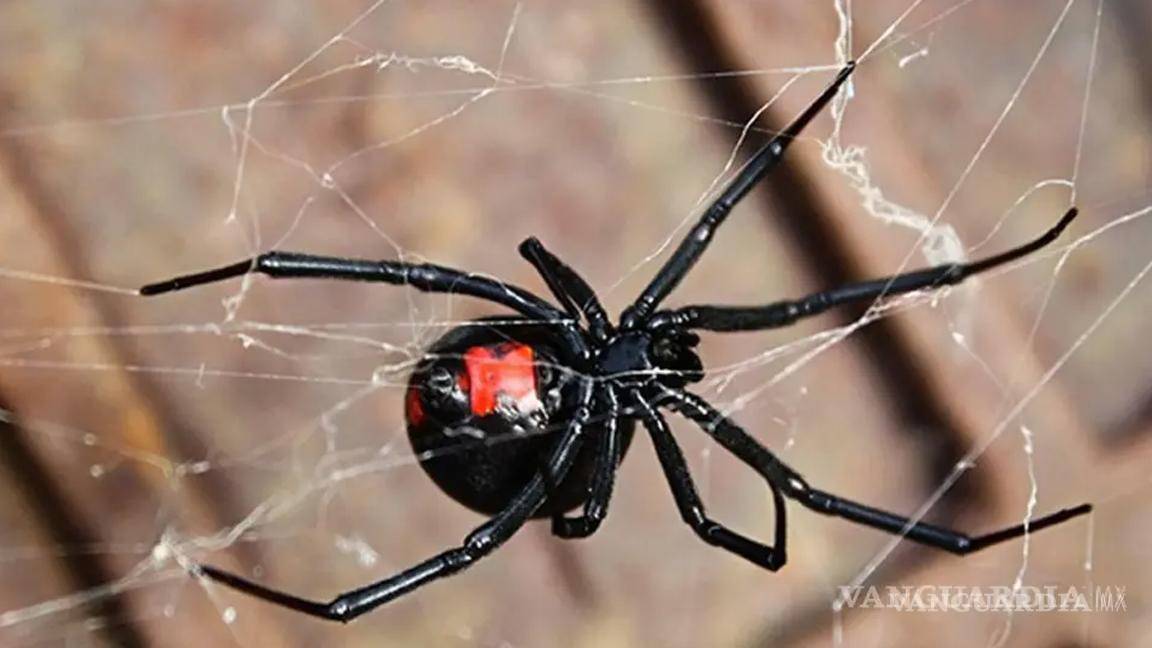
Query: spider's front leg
pixel 710 317
pixel 481 542
pixel 692 246
pixel 573 293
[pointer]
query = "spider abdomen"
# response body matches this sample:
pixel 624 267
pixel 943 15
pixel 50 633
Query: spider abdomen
pixel 484 410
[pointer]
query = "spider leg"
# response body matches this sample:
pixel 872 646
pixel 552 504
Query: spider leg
pixel 481 542
pixel 603 478
pixel 697 240
pixel 425 276
pixel 737 441
pixel 927 534
pixel 692 508
pixel 752 318
pixel 568 286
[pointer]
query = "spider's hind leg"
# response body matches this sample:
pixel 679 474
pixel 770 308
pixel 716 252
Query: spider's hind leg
pixel 608 457
pixel 482 541
pixel 927 534
pixel 425 277
pixel 692 508
pixel 740 443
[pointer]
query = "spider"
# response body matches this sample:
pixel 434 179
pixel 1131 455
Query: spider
pixel 477 405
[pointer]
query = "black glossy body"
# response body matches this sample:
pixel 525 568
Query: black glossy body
pixel 561 446
pixel 484 461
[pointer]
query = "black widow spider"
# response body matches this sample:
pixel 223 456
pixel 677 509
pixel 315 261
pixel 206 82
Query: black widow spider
pixel 478 403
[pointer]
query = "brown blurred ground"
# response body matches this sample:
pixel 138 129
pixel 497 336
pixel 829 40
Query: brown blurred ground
pixel 143 425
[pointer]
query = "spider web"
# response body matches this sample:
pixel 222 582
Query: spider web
pixel 257 426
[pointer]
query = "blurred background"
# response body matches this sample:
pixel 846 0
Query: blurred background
pixel 258 426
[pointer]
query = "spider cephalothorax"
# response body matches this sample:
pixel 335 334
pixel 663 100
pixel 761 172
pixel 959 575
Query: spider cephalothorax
pixel 530 416
pixel 636 358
